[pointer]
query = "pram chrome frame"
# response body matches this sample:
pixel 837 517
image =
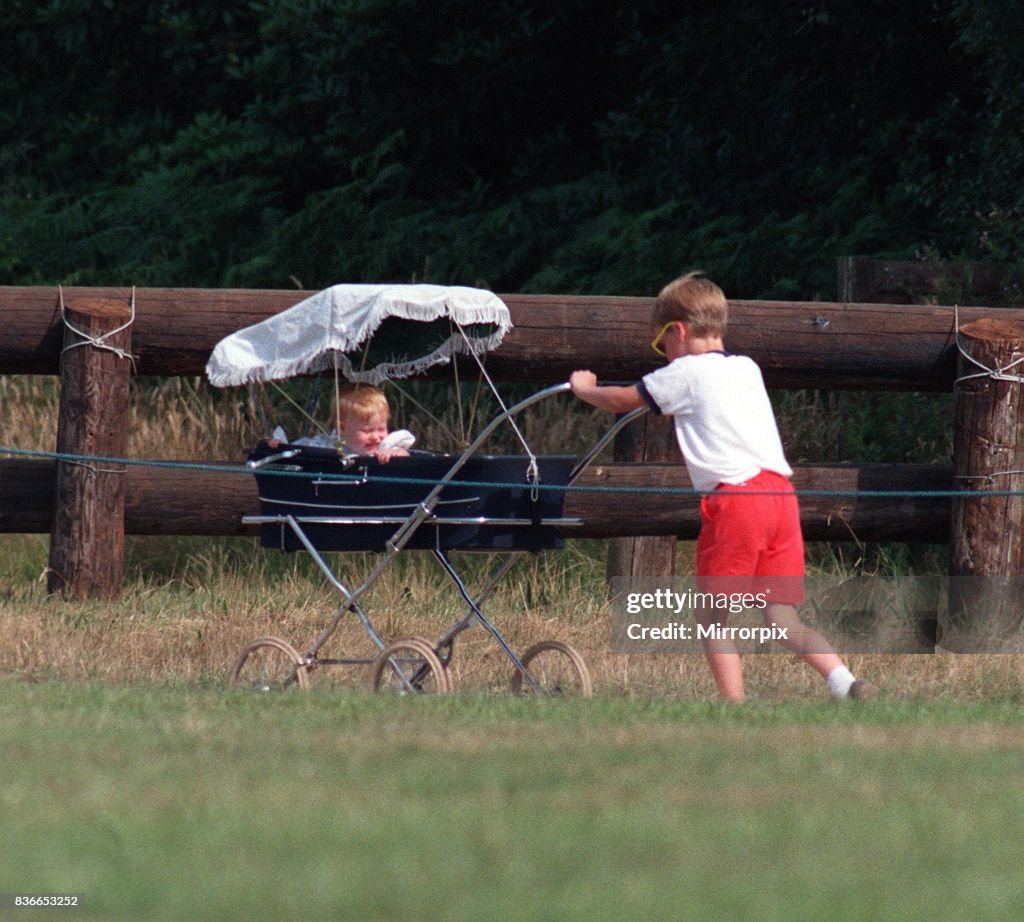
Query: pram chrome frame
pixel 411 662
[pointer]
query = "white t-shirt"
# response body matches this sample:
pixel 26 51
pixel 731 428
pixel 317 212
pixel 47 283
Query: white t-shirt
pixel 724 420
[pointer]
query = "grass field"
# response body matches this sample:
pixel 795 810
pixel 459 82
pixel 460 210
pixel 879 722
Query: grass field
pixel 171 803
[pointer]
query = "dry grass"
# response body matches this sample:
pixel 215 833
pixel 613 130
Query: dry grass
pixel 175 418
pixel 29 418
pixel 125 647
pixel 190 605
pixel 190 629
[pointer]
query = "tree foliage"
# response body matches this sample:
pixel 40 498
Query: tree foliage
pixel 585 145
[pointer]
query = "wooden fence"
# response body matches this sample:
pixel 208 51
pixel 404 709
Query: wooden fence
pixel 797 344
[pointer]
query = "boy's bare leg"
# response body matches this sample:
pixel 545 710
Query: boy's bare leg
pixel 726 669
pixel 805 642
pixel 724 660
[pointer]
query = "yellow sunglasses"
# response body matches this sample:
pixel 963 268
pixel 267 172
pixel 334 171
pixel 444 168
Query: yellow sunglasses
pixel 656 342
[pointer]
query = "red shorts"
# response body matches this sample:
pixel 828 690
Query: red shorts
pixel 750 540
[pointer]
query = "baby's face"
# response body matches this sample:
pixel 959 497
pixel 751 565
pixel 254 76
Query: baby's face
pixel 362 436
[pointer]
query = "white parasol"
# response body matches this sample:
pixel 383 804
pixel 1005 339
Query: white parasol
pixel 370 333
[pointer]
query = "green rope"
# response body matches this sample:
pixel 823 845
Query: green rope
pixel 236 469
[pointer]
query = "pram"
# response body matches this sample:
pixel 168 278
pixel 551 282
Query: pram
pixel 319 500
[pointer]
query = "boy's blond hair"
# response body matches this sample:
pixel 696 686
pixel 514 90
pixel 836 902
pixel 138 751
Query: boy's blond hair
pixel 696 301
pixel 361 401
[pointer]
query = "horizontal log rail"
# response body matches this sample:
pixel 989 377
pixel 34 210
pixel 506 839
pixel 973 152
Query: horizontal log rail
pixel 853 346
pixel 797 343
pixel 161 501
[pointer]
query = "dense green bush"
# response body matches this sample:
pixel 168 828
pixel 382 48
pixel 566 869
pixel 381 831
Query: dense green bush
pixel 580 146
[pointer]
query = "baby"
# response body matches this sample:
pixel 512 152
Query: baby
pixel 360 413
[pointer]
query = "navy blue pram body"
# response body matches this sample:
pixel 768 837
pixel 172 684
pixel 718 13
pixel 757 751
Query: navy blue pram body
pixel 357 504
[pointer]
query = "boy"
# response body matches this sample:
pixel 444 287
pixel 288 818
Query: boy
pixel 360 413
pixel 750 538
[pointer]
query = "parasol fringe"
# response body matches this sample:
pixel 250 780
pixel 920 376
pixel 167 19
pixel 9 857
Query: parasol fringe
pixel 305 338
pixel 387 370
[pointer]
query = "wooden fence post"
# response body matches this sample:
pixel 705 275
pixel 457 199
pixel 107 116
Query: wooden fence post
pixel 987 531
pixel 649 438
pixel 87 535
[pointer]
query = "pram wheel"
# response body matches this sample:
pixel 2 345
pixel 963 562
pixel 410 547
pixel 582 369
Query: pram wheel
pixel 270 664
pixel 556 668
pixel 410 667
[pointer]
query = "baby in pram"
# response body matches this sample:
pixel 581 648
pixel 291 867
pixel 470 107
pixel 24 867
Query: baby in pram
pixel 360 413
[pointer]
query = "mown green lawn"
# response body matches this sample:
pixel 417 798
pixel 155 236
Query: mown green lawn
pixel 173 803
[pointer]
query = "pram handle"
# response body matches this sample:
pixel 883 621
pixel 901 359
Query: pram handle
pixel 562 388
pixel 599 446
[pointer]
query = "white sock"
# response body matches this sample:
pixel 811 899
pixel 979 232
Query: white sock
pixel 839 681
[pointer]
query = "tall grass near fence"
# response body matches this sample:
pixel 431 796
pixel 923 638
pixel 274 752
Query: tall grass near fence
pixel 191 604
